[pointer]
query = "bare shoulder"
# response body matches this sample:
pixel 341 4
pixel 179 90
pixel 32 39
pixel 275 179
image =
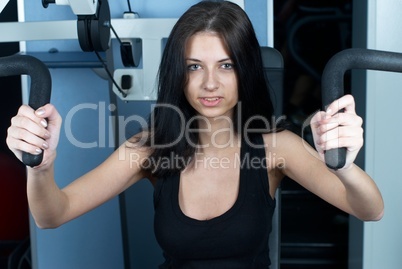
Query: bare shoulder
pixel 137 144
pixel 295 154
pixel 300 161
pixel 132 154
pixel 125 165
pixel 280 150
pixel 285 143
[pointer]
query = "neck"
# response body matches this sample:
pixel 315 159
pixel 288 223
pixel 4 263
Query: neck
pixel 217 134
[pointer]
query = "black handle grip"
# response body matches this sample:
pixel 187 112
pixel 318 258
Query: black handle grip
pixel 332 82
pixel 40 90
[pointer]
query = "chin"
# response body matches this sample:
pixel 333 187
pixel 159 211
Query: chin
pixel 215 114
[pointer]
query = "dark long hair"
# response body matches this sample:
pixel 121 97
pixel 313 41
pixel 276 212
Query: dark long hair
pixel 166 123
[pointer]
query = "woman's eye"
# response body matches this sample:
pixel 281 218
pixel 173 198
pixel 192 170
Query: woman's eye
pixel 193 67
pixel 227 66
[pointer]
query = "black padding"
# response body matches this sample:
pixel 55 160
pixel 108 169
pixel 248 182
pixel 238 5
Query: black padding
pixel 40 90
pixel 332 84
pixel 273 68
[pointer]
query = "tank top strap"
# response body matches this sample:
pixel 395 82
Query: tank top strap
pixel 257 163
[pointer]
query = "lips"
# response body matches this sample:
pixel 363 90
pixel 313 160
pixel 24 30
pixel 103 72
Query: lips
pixel 210 101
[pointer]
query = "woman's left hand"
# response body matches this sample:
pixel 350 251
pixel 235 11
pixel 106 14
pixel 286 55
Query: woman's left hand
pixel 332 129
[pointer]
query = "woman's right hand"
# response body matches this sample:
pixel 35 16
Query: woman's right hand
pixel 35 132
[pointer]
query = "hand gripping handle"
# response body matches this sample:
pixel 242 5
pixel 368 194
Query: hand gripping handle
pixel 332 82
pixel 40 89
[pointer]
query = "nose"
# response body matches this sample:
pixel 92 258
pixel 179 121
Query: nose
pixel 211 80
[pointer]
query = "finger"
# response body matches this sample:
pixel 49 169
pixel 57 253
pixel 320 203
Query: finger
pixel 350 143
pixel 18 134
pixel 346 103
pixel 26 111
pixel 351 137
pixel 315 123
pixel 319 148
pixel 318 119
pixel 48 111
pixel 340 132
pixel 340 119
pixel 44 114
pixel 19 145
pixel 32 126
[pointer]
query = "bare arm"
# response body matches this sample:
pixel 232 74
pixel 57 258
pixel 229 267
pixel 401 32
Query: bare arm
pixel 50 206
pixel 349 188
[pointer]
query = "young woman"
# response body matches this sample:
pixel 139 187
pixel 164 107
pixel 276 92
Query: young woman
pixel 208 151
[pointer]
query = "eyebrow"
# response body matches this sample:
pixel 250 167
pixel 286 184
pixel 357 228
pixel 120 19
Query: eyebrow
pixel 198 61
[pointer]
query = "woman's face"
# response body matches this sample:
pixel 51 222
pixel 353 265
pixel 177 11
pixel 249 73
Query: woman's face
pixel 212 82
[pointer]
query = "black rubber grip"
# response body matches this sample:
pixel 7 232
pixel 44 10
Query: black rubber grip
pixel 40 87
pixel 332 82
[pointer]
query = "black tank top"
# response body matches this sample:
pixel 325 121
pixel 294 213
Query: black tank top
pixel 236 239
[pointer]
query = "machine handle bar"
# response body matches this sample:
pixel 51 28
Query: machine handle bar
pixel 332 82
pixel 40 87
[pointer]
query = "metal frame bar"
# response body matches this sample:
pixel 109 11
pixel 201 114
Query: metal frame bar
pixel 61 30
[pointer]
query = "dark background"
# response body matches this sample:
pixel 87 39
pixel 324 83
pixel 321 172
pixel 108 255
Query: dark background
pixel 308 33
